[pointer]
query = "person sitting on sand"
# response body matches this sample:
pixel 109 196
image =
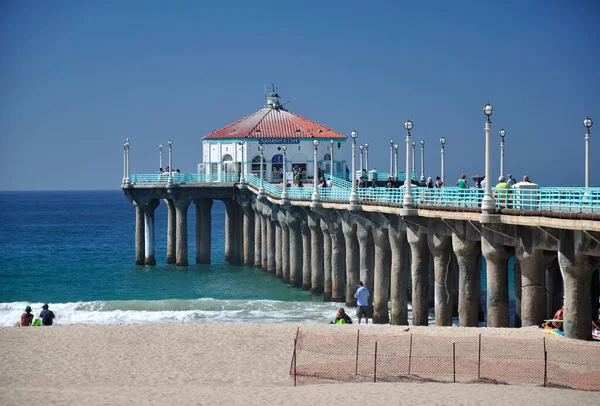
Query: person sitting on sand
pixel 26 318
pixel 46 315
pixel 559 315
pixel 341 317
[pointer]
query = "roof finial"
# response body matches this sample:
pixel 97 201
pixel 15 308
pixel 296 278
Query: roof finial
pixel 273 99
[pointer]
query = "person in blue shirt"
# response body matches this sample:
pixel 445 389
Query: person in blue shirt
pixel 362 301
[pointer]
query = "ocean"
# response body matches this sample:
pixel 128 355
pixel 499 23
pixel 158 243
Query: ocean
pixel 75 250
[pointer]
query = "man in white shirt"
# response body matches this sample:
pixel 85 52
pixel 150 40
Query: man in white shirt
pixel 362 301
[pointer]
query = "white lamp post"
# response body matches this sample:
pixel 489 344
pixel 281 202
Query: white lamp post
pixel 396 156
pixel 391 156
pixel 361 157
pixel 422 161
pixel 331 156
pixel 502 135
pixel 407 201
pixel 124 163
pixel 128 177
pixel 488 204
pixel 160 148
pixel 587 123
pixel 367 157
pixel 443 142
pixel 353 194
pixel 414 144
pixel 315 196
pixel 261 189
pixel 284 191
pixel 243 168
pixel 170 179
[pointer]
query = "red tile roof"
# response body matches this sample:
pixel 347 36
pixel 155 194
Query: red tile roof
pixel 274 123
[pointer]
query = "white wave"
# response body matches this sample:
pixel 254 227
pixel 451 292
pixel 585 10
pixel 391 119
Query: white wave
pixel 172 311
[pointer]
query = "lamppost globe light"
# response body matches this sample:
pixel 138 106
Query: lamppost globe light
pixel 502 133
pixel 354 134
pixel 361 147
pixel 408 125
pixel 331 142
pixel 284 148
pixel 260 147
pixel 366 145
pixel 422 142
pixel 396 147
pixel 488 110
pixel 414 143
pixel 316 142
pixel 442 140
pixel 588 122
pixel 170 143
pixel 160 146
pixel 391 142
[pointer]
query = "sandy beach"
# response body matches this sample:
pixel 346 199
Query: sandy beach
pixel 216 364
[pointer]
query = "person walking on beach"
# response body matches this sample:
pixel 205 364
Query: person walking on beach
pixel 47 315
pixel 362 301
pixel 26 318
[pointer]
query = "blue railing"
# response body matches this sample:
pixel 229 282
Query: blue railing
pixel 553 199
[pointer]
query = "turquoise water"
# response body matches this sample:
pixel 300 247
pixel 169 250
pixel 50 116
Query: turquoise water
pixel 75 250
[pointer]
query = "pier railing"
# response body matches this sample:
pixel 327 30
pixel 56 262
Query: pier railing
pixel 551 362
pixel 526 200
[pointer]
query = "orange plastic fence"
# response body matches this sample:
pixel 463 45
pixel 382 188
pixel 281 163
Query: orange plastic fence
pixel 408 357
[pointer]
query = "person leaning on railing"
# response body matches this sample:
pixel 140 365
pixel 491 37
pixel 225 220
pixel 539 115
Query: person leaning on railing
pixel 502 193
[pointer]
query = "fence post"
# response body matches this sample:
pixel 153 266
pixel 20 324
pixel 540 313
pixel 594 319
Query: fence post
pixel 545 364
pixel 479 360
pixel 357 341
pixel 295 340
pixel 375 366
pixel 454 361
pixel 410 353
pixel 294 354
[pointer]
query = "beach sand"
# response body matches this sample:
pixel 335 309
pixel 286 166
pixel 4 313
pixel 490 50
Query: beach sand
pixel 224 364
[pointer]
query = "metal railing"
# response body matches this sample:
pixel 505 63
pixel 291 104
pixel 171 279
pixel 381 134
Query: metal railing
pixel 548 199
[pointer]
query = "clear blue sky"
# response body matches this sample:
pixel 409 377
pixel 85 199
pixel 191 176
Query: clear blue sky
pixel 78 77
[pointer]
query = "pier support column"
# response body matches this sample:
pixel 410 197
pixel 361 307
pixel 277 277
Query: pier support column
pixel 264 224
pixel 326 261
pixel 278 259
pixel 420 274
pixel 469 280
pixel 317 253
pixel 231 232
pixel 381 276
pixel 248 235
pixel 295 248
pixel 257 237
pixel 352 259
pixel 139 235
pixel 306 253
pixel 203 230
pixel 149 234
pixel 554 288
pixel 400 272
pixel 366 246
pixel 496 258
pixel 285 247
pixel 440 246
pixel 338 265
pixel 577 270
pixel 181 209
pixel 270 242
pixel 517 281
pixel 171 232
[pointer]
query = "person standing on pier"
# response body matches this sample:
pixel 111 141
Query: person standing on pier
pixel 362 301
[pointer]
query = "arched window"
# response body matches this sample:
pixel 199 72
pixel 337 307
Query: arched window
pixel 228 165
pixel 277 167
pixel 327 157
pixel 256 165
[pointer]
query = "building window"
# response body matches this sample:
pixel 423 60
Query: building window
pixel 256 166
pixel 228 165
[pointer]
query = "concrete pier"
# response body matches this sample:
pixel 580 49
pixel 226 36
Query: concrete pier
pixel 317 249
pixel 352 258
pixel 204 230
pixel 230 233
pixel 257 237
pixel 517 280
pixel 278 259
pixel 469 279
pixel 270 243
pixel 338 259
pixel 440 246
pixel 400 272
pixel 181 208
pixel 140 233
pixel 295 248
pixel 366 246
pixel 171 232
pixel 496 257
pixel 285 247
pixel 306 254
pixel 381 279
pixel 420 274
pixel 327 258
pixel 149 241
pixel 264 250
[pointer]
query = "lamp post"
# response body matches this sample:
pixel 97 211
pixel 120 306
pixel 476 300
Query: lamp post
pixel 422 161
pixel 391 156
pixel 128 177
pixel 414 144
pixel 367 157
pixel 160 147
pixel 124 163
pixel 443 142
pixel 261 189
pixel 170 179
pixel 407 201
pixel 361 157
pixel 587 124
pixel 284 191
pixel 502 135
pixel 331 156
pixel 353 194
pixel 242 169
pixel 488 204
pixel 396 156
pixel 315 195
